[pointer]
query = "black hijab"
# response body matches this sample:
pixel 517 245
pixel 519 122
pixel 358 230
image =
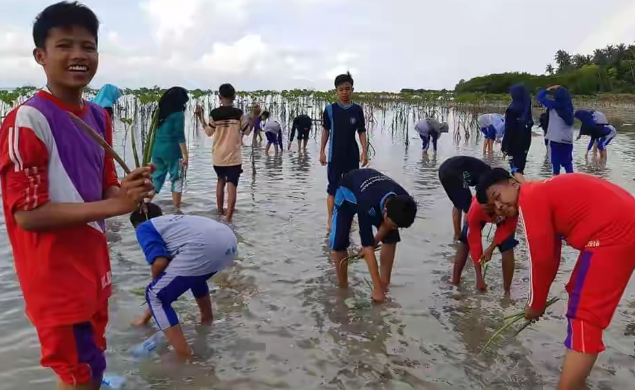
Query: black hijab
pixel 173 100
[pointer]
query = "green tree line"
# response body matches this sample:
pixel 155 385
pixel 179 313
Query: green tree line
pixel 611 69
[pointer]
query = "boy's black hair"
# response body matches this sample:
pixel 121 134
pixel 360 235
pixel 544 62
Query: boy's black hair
pixel 63 15
pixel 493 176
pixel 266 114
pixel 227 91
pixel 402 210
pixel 138 217
pixel 344 78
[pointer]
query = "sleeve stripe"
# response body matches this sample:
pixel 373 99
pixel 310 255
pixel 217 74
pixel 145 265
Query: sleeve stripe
pixel 16 139
pixel 530 300
pixel 13 143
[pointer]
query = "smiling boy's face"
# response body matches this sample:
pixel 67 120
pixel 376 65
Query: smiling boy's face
pixel 69 57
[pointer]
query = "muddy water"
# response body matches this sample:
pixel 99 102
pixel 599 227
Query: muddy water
pixel 282 323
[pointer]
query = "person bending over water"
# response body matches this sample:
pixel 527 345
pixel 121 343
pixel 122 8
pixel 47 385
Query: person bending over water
pixel 378 201
pixel 184 252
pixel 302 123
pixel 340 122
pixel 471 241
pixel 430 129
pixel 560 129
pixel 457 175
pixel 566 207
pixel 492 125
pixel 273 132
pixel 596 125
pixel 518 124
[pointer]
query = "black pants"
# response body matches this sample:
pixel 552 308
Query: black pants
pixel 519 161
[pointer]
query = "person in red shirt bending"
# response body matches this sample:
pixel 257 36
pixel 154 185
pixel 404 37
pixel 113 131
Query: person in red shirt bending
pixel 471 242
pixel 566 207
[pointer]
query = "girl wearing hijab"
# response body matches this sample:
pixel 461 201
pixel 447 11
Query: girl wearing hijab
pixel 170 154
pixel 493 128
pixel 518 124
pixel 596 125
pixel 107 97
pixel 560 129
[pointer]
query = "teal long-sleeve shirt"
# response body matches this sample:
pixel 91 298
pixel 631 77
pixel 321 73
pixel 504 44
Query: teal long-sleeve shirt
pixel 169 136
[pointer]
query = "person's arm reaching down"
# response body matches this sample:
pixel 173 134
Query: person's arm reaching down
pixel 326 129
pixel 368 245
pixel 210 128
pixel 361 130
pixel 544 249
pixel 474 234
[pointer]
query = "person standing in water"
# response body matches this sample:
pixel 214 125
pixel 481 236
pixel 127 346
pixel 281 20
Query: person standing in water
pixel 227 125
pixel 457 175
pixel 302 123
pixel 596 125
pixel 567 207
pixel 58 186
pixel 273 132
pixel 107 97
pixel 491 126
pixel 518 124
pixel 378 201
pixel 257 125
pixel 170 154
pixel 340 122
pixel 560 130
pixel 429 129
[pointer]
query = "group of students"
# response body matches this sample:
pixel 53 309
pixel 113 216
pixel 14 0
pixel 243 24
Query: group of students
pixel 514 129
pixel 56 199
pixel 553 211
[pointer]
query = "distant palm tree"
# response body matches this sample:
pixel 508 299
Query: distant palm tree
pixel 563 59
pixel 599 57
pixel 550 69
pixel 580 60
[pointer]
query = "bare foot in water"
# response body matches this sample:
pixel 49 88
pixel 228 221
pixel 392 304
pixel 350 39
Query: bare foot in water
pixel 142 319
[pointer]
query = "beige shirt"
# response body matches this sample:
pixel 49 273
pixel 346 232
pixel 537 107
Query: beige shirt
pixel 228 124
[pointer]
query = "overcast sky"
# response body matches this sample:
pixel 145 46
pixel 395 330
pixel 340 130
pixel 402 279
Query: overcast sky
pixel 285 44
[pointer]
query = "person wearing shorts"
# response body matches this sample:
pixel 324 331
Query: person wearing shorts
pixel 565 207
pixel 596 125
pixel 340 122
pixel 170 154
pixel 471 241
pixel 273 132
pixel 457 175
pixel 228 125
pixel 302 123
pixel 377 201
pixel 184 252
pixel 492 127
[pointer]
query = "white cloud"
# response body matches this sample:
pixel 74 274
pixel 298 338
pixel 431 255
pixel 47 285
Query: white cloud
pixel 282 44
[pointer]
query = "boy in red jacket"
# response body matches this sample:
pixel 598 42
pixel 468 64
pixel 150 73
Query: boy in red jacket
pixel 566 207
pixel 58 186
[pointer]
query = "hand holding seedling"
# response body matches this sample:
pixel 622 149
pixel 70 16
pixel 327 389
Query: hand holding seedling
pixel 135 187
pixel 533 315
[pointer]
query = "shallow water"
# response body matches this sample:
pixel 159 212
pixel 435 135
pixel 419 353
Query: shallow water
pixel 281 321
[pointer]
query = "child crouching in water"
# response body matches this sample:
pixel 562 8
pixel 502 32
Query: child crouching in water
pixel 184 252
